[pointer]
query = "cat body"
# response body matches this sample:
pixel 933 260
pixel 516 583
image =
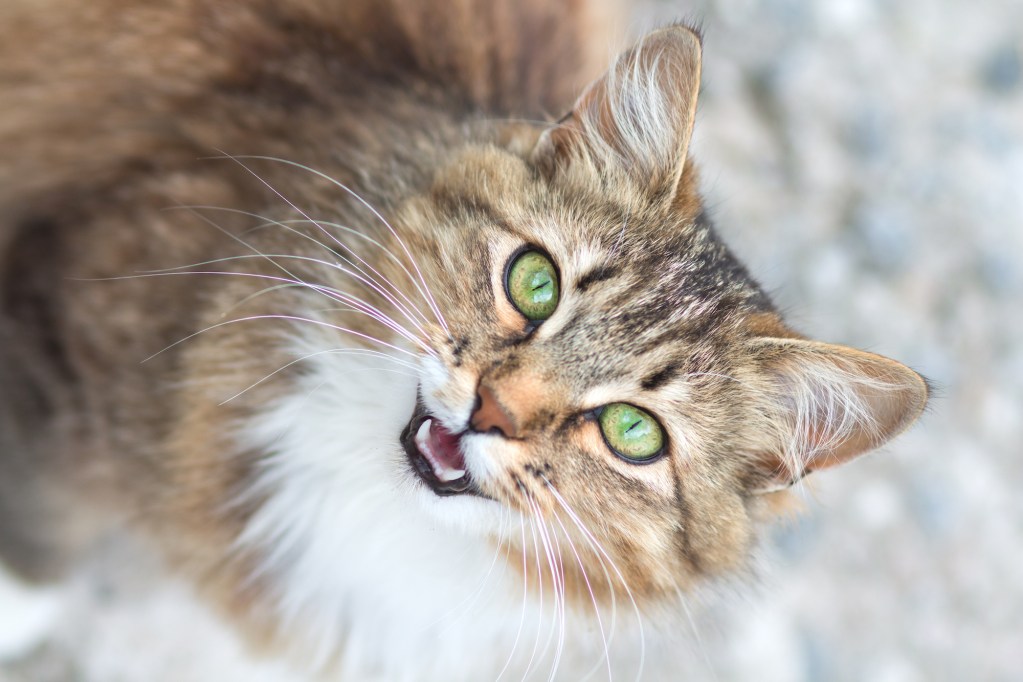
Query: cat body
pixel 259 305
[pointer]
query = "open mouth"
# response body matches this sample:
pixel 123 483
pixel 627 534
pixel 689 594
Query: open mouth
pixel 436 455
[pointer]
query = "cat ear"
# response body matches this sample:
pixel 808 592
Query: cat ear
pixel 825 404
pixel 638 117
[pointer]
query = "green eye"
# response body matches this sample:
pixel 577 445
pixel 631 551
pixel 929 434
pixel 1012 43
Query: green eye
pixel 631 432
pixel 532 285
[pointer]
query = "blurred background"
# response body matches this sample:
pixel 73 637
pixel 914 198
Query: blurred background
pixel 865 158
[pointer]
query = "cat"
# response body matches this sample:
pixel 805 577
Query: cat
pixel 411 380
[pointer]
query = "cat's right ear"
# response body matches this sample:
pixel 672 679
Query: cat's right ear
pixel 636 119
pixel 825 404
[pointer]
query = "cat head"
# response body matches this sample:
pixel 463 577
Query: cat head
pixel 602 364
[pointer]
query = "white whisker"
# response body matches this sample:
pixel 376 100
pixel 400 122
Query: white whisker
pixel 244 243
pixel 539 577
pixel 525 600
pixel 589 588
pixel 400 264
pixel 336 293
pixel 696 633
pixel 338 351
pixel 561 588
pixel 451 616
pixel 297 279
pixel 428 295
pixel 293 318
pixel 407 307
pixel 284 224
pixel 256 294
pixel 599 548
pixel 548 547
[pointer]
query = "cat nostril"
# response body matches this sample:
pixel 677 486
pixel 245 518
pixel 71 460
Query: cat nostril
pixel 489 415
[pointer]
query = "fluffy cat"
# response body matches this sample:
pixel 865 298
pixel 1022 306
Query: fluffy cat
pixel 411 383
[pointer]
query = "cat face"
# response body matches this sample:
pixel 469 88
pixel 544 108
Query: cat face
pixel 586 299
pixel 648 308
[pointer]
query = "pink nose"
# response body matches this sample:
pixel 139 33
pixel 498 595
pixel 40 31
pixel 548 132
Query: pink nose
pixel 490 415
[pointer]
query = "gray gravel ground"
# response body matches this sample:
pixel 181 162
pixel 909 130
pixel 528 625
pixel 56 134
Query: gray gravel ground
pixel 866 158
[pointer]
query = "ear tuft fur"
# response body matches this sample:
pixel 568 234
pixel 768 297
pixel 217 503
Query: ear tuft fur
pixel 827 404
pixel 638 117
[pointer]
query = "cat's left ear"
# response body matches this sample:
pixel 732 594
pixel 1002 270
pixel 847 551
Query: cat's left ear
pixel 637 118
pixel 825 404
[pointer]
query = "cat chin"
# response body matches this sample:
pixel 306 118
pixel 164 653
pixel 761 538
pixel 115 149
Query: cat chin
pixel 345 530
pixel 469 509
pixel 470 515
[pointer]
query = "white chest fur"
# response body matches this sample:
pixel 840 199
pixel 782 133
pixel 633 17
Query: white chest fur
pixel 365 570
pixel 367 565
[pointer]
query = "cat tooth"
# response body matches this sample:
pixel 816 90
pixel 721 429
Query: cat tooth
pixel 423 434
pixel 449 474
pixel 423 443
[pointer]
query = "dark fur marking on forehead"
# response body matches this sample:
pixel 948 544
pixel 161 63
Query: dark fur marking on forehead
pixel 638 322
pixel 703 329
pixel 660 377
pixel 598 274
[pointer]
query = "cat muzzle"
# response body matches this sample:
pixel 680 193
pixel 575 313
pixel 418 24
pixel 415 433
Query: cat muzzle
pixel 435 454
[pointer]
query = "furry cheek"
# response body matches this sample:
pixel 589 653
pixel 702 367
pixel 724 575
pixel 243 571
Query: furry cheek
pixel 490 458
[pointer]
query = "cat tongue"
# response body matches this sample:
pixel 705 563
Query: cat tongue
pixel 440 448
